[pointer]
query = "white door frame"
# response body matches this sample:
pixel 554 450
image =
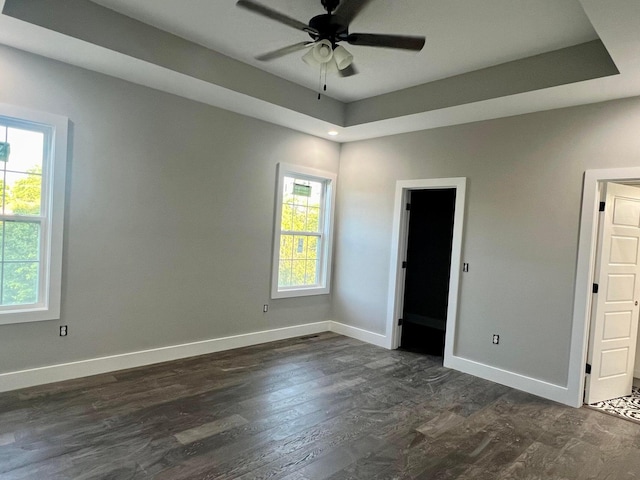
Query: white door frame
pixel 398 248
pixel 587 244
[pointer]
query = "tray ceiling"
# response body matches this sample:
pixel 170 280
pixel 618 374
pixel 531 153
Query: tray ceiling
pixel 462 36
pixel 482 59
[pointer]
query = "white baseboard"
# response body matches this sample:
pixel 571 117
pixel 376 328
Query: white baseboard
pixel 531 385
pixel 67 371
pixel 94 366
pixel 359 334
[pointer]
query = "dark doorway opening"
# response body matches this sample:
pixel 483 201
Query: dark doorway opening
pixel 428 266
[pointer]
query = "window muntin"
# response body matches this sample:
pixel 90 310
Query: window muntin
pixel 31 214
pixel 303 229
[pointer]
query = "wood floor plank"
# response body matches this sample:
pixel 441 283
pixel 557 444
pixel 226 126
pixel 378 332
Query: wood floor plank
pixel 209 429
pixel 7 439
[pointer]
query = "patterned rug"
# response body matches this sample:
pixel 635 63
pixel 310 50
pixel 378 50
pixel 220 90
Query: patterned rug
pixel 625 407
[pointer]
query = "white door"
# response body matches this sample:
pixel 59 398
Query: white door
pixel 614 315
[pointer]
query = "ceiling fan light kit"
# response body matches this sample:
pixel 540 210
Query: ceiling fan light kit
pixel 342 56
pixel 322 51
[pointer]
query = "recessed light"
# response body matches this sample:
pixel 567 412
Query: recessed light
pixel 333 133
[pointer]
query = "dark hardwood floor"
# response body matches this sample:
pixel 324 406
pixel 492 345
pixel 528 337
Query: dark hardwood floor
pixel 326 407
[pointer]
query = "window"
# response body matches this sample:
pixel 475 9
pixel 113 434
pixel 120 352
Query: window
pixel 32 169
pixel 303 232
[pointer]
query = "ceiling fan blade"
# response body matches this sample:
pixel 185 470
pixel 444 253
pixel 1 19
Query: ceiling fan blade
pixel 348 72
pixel 274 15
pixel 349 9
pixel 281 52
pixel 404 42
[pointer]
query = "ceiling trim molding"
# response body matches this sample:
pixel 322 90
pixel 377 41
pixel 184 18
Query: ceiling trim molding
pixel 200 74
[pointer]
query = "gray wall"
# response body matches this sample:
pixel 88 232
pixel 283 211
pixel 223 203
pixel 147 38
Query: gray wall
pixel 169 217
pixel 521 227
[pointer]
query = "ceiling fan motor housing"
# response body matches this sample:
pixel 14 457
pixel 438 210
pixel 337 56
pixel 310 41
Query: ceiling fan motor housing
pixel 328 28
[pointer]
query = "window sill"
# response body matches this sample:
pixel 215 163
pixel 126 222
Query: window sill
pixel 300 292
pixel 29 314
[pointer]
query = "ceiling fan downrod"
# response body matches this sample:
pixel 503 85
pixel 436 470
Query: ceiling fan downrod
pixel 330 5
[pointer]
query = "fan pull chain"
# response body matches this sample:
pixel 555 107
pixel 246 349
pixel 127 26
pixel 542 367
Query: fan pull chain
pixel 322 86
pixel 325 76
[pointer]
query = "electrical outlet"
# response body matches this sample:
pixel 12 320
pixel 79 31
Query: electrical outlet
pixel 465 267
pixel 265 308
pixel 496 339
pixel 63 330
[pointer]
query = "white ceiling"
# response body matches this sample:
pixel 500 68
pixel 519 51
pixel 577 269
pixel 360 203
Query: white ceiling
pixel 462 36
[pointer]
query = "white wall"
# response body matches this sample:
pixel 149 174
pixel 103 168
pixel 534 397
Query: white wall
pixel 523 205
pixel 169 217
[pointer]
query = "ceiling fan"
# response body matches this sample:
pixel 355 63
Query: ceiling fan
pixel 327 31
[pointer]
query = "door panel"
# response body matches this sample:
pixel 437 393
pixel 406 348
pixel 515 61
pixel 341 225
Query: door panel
pixel 617 325
pixel 626 212
pixel 614 362
pixel 614 317
pixel 620 288
pixel 624 250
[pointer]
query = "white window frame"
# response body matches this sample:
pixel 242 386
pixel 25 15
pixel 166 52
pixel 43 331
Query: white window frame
pixel 326 244
pixel 52 214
